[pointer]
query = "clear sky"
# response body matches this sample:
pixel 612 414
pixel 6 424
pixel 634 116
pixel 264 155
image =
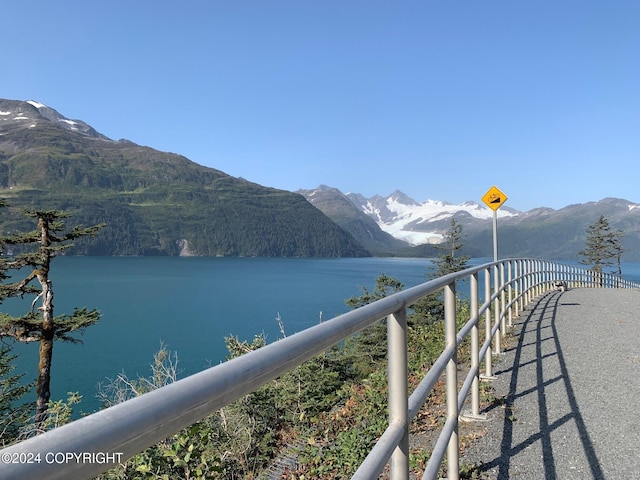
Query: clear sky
pixel 439 99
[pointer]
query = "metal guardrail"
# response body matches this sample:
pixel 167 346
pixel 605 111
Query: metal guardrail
pixel 94 444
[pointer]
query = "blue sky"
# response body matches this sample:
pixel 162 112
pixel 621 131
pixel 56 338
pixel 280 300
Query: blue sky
pixel 438 99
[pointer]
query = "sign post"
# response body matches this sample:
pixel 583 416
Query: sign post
pixel 494 199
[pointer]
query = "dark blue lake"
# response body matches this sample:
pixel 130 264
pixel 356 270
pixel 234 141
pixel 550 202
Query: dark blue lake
pixel 191 304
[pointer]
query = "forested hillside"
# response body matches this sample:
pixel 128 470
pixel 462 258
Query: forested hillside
pixel 154 203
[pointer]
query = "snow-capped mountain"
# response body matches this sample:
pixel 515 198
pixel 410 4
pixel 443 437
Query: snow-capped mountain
pixel 420 223
pixel 333 203
pixel 541 232
pixel 29 114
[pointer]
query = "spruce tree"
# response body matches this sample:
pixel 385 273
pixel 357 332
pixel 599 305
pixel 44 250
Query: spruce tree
pixel 449 259
pixel 603 247
pixel 39 324
pixel 364 352
pixel 12 389
pixel 385 286
pixel 431 307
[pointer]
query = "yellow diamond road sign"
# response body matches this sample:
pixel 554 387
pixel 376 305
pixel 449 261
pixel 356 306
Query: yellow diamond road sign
pixel 494 198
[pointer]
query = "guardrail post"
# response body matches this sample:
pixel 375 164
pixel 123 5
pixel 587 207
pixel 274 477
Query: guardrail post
pixel 496 312
pixel 525 283
pixel 510 291
pixel 475 348
pixel 503 318
pixel 488 369
pixel 563 273
pixel 519 289
pixel 550 275
pixel 587 275
pixel 579 276
pixel 398 390
pixel 532 280
pixel 453 461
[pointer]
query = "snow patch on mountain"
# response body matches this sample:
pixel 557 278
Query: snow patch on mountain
pixel 36 104
pixel 410 236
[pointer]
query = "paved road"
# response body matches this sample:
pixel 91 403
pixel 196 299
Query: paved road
pixel 571 388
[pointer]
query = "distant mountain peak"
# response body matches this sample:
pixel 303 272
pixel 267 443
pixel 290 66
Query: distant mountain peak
pixel 327 188
pixel 618 202
pixel 401 197
pixel 31 114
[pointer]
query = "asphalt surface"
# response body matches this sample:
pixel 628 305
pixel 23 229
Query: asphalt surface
pixel 569 387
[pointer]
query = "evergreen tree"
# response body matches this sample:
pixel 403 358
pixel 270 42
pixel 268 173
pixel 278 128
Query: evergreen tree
pixel 51 238
pixel 618 249
pixel 12 417
pixel 603 246
pixel 431 307
pixel 11 387
pixel 385 286
pixel 364 352
pixel 449 259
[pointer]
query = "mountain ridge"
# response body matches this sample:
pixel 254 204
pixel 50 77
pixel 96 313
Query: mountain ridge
pixel 541 232
pixel 154 203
